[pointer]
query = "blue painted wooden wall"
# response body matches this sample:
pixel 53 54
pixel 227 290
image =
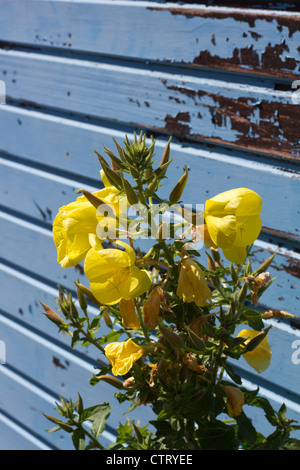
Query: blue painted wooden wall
pixel 217 77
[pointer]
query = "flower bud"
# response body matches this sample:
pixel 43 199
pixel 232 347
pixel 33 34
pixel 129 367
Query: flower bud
pixel 164 162
pixel 190 361
pixel 112 176
pixel 52 316
pixel 151 308
pixel 170 336
pixel 196 325
pixel 86 291
pixel 94 200
pixel 130 318
pixel 264 266
pixel 192 286
pixel 197 342
pixel 130 192
pixel 178 189
pixel 235 400
pixel 116 163
pixel 111 381
pixel 128 383
pixel 81 299
pixel 276 313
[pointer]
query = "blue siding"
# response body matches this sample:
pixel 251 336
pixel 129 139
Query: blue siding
pixel 77 73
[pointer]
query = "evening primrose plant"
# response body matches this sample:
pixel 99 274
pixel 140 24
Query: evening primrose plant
pixel 171 321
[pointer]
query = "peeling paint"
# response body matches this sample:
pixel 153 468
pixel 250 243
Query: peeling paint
pixel 58 363
pixel 254 42
pixel 261 125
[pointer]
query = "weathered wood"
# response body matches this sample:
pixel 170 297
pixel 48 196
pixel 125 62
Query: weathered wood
pixel 241 40
pixel 68 146
pixel 15 437
pixel 198 107
pixel 30 409
pixel 218 77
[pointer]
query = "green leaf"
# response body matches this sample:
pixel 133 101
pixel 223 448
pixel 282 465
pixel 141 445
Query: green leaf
pixel 110 337
pixel 95 324
pixel 59 423
pixel 230 371
pixel 246 430
pixel 264 404
pixel 216 435
pixel 98 415
pixel 78 438
pixel 292 444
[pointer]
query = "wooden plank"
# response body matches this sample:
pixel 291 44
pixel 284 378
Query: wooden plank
pixel 14 437
pixel 200 107
pixel 22 304
pixel 68 151
pixel 31 408
pixel 243 40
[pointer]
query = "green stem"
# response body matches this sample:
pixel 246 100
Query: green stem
pixel 138 308
pixel 88 337
pixel 216 365
pixel 167 252
pixel 89 435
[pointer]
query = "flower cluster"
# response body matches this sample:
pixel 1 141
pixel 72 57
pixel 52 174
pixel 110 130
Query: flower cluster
pixel 173 319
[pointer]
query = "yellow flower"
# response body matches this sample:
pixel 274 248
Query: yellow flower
pixel 151 308
pixel 113 275
pixel 235 400
pixel 104 179
pixel 192 286
pixel 75 227
pixel 123 355
pixel 202 233
pixel 130 318
pixel 260 357
pixel 233 221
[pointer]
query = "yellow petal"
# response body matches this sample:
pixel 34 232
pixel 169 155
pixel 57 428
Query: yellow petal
pixel 130 318
pixel 235 400
pixel 235 254
pixel 192 285
pixel 260 357
pixel 112 275
pixel 248 229
pixel 101 263
pixel 73 225
pixel 104 179
pixel 140 282
pixel 222 230
pixel 71 229
pixel 232 218
pixel 122 355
